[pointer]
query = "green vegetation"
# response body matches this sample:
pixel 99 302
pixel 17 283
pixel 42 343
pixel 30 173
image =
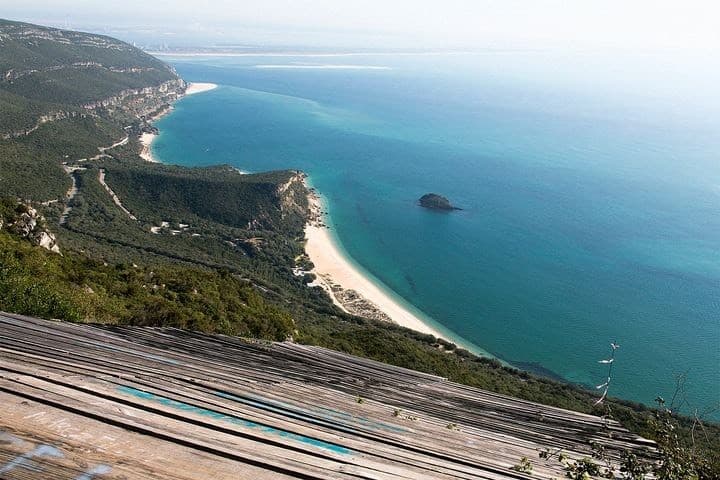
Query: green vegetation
pixel 45 70
pixel 20 113
pixel 219 194
pixel 59 102
pixel 37 47
pixel 162 291
pixel 209 249
pixel 75 288
pixel 524 466
pixel 31 166
pixel 674 459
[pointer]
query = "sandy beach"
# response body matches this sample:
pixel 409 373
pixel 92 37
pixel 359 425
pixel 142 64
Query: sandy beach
pixel 146 139
pixel 194 88
pixel 332 268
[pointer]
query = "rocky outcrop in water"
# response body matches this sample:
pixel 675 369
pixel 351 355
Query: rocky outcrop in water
pixel 434 201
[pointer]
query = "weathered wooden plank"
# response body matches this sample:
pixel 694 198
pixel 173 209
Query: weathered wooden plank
pixel 283 406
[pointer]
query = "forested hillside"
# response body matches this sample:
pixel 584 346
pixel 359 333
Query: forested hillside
pixel 51 72
pixel 207 249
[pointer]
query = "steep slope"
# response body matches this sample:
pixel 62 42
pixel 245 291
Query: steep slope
pixel 65 94
pixel 73 105
pixel 48 74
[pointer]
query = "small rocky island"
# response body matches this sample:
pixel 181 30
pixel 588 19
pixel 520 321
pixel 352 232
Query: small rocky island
pixel 436 202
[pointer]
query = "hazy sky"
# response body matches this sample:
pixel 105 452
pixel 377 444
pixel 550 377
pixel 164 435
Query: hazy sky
pixel 393 23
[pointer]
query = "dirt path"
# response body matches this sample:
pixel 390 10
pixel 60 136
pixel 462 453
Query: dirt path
pixel 70 195
pixel 116 199
pixel 71 171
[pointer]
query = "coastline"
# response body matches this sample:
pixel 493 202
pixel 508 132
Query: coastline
pixel 146 139
pixel 199 87
pixel 351 289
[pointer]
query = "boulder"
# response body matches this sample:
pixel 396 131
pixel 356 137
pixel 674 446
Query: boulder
pixel 434 201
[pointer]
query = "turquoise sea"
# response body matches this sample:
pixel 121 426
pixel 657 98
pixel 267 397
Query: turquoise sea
pixel 590 188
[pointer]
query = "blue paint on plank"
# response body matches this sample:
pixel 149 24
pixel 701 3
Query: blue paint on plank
pixel 93 472
pixel 159 358
pixel 25 460
pixel 290 410
pixel 9 438
pixel 234 420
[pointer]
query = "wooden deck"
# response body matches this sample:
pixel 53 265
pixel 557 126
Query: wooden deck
pixel 83 402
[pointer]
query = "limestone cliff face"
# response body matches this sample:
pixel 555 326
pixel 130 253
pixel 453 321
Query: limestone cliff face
pixel 142 101
pixel 136 102
pixel 292 196
pixel 15 74
pixel 43 119
pixel 31 225
pixel 49 74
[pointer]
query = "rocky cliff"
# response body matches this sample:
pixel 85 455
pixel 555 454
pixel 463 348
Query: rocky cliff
pixel 48 74
pixel 26 222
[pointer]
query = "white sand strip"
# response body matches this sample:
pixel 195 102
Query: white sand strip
pixel 146 140
pixel 199 87
pixel 333 267
pixel 330 262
